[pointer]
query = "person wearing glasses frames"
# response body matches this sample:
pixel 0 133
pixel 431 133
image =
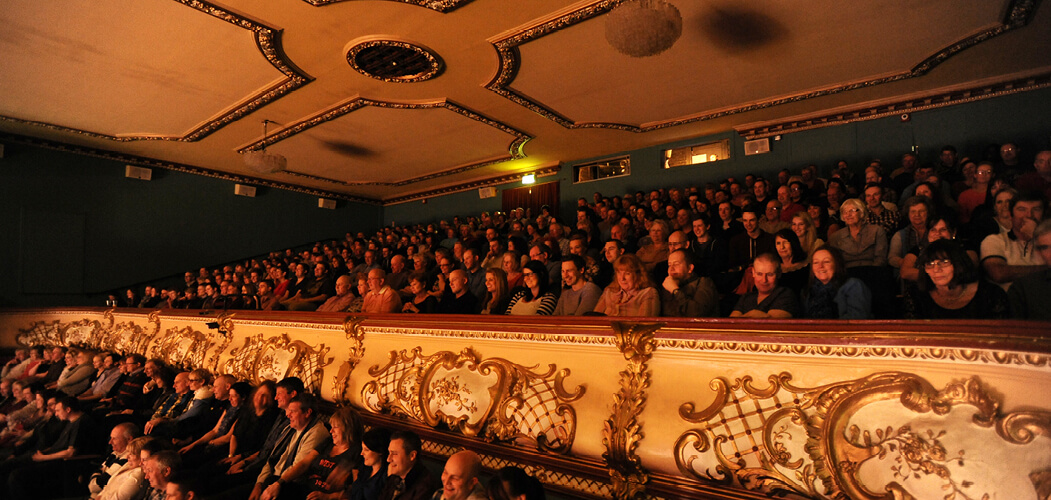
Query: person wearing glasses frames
pixel 950 288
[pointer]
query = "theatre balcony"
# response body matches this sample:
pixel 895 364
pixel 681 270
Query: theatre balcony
pixel 648 407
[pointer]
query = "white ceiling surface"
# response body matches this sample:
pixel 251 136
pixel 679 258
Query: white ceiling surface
pixel 95 73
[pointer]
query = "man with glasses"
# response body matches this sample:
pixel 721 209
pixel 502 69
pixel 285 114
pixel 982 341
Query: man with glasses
pixel 381 298
pixel 174 404
pixel 771 221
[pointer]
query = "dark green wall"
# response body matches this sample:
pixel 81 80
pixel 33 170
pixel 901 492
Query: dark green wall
pixel 72 227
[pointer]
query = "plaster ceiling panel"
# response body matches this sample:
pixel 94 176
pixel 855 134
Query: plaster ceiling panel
pixel 732 54
pixel 131 67
pixel 377 144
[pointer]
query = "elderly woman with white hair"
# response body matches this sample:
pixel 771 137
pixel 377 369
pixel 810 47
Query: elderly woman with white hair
pixel 862 244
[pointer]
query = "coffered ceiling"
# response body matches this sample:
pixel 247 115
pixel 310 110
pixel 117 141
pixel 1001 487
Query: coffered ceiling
pixel 498 88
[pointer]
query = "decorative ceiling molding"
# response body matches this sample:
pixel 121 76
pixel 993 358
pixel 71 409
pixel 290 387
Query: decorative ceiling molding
pixel 178 167
pixel 910 104
pixel 491 181
pixel 515 150
pixel 267 38
pixel 434 62
pixel 443 6
pixel 1019 13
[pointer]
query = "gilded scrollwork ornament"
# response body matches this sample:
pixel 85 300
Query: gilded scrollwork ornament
pixel 622 431
pixel 356 350
pixel 277 357
pixel 225 333
pixel 492 398
pixel 183 347
pixel 860 439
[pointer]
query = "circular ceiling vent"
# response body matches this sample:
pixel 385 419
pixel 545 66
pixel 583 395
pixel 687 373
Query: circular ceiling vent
pixel 393 61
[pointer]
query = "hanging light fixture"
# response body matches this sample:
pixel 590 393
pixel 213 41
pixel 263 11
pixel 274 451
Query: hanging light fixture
pixel 643 28
pixel 262 162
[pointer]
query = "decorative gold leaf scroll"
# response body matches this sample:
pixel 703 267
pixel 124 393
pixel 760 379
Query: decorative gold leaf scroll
pixel 183 347
pixel 226 334
pixel 623 431
pixel 492 398
pixel 356 336
pixel 124 337
pixel 276 358
pixel 860 439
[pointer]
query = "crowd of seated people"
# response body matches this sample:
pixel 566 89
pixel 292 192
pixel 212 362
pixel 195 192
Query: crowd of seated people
pixel 692 251
pixel 138 429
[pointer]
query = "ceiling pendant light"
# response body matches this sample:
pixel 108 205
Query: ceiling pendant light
pixel 261 162
pixel 643 28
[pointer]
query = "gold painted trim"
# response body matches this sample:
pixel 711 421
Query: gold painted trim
pixel 144 161
pixel 622 431
pixel 1019 14
pixel 435 62
pixel 515 149
pixel 443 6
pixel 958 355
pixel 925 102
pixel 267 39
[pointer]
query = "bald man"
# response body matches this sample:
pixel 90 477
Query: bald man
pixel 457 298
pixel 341 301
pixel 460 478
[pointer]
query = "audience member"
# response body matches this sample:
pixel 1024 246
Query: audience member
pixel 381 298
pixel 1029 294
pixel 372 471
pixel 768 300
pixel 630 293
pixel 1010 256
pixel 534 297
pixel 460 478
pixel 953 288
pixel 833 294
pixel 579 295
pixel 683 293
pixel 407 477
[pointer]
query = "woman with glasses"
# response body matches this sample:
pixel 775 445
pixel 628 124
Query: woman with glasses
pixel 533 298
pixel 630 293
pixel 950 288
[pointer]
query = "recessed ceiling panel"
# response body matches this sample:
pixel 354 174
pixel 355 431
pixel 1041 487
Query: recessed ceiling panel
pixel 734 53
pixel 374 144
pixel 132 67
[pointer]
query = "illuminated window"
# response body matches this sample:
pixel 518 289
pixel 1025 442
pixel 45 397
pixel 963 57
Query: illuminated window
pixel 613 167
pixel 701 153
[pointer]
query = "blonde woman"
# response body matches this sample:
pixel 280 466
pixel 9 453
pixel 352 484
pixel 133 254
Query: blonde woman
pixel 804 228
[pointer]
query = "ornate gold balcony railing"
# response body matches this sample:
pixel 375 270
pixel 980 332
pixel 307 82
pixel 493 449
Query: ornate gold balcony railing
pixel 649 407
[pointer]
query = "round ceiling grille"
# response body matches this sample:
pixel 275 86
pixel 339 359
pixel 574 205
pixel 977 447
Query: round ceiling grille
pixel 393 61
